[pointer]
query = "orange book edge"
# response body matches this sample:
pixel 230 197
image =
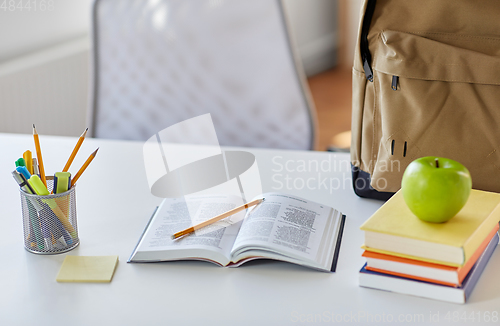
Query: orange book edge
pixel 461 271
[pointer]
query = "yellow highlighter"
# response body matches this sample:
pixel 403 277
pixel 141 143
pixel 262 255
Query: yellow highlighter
pixel 41 190
pixel 29 161
pixel 62 183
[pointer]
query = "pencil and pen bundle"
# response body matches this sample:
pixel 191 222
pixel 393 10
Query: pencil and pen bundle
pixel 48 203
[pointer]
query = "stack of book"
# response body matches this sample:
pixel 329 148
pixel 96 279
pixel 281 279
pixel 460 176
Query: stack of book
pixel 440 261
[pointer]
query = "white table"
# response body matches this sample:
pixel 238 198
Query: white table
pixel 110 221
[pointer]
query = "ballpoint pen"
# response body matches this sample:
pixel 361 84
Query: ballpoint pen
pixel 35 166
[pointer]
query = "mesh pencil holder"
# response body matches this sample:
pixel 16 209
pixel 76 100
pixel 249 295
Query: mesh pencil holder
pixel 49 222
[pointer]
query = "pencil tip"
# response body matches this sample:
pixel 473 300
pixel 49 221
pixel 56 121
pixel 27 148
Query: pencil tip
pixel 84 132
pixel 95 152
pixel 87 129
pixel 33 126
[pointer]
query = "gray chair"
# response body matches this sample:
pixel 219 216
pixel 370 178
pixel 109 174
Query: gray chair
pixel 159 62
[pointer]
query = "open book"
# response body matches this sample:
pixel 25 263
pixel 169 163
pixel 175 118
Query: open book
pixel 283 227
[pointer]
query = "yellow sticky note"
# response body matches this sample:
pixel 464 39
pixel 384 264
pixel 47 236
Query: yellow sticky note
pixel 96 269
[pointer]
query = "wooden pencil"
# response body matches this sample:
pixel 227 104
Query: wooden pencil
pixel 75 150
pixel 39 156
pixel 217 218
pixel 84 166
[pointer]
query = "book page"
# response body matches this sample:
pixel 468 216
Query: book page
pixel 177 214
pixel 289 226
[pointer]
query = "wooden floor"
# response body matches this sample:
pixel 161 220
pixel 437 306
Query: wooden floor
pixel 331 92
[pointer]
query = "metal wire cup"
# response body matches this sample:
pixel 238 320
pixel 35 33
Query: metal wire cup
pixel 49 222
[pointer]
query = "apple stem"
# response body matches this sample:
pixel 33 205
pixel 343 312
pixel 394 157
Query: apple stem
pixel 437 163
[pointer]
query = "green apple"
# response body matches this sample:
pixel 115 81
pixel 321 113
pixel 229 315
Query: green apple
pixel 435 188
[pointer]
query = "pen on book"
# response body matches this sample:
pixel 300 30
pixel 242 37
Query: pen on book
pixel 84 166
pixel 28 159
pixel 39 156
pixel 217 218
pixel 75 150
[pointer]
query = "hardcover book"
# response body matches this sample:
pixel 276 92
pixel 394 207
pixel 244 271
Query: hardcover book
pixel 386 282
pixel 425 271
pixel 395 229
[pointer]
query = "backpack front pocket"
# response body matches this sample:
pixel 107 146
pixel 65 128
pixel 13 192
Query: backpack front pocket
pixel 436 94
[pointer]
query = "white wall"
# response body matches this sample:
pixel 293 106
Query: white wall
pixel 314 24
pixel 44 66
pixel 48 88
pixel 23 31
pixel 44 54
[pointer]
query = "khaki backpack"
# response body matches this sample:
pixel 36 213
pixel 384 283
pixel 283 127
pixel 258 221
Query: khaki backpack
pixel 426 80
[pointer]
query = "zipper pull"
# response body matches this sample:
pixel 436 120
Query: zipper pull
pixel 394 85
pixel 368 70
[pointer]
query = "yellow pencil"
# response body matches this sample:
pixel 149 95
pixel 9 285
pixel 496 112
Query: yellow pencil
pixel 217 218
pixel 84 166
pixel 39 156
pixel 75 150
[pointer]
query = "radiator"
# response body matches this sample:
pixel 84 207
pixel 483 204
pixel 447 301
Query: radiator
pixel 48 88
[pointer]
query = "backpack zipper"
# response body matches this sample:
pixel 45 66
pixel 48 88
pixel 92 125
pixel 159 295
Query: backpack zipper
pixel 394 84
pixel 365 52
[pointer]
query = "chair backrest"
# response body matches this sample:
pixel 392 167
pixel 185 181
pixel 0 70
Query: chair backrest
pixel 159 62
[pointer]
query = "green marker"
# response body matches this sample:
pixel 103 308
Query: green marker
pixel 20 162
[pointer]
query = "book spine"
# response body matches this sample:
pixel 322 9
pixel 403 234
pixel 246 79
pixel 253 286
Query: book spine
pixel 337 245
pixel 478 269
